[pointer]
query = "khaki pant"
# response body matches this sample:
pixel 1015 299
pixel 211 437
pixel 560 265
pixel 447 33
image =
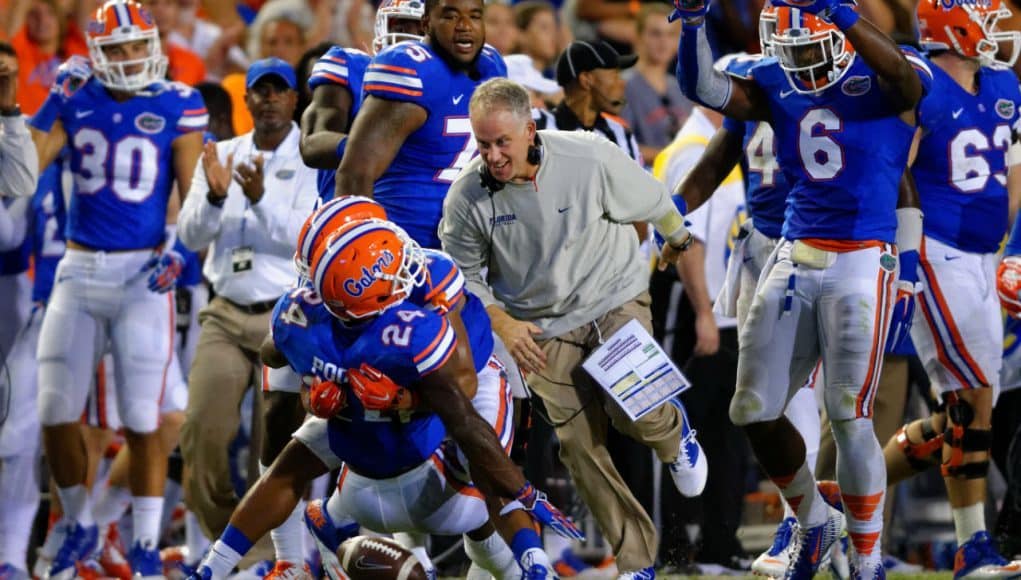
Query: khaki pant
pixel 887 417
pixel 226 364
pixel 579 411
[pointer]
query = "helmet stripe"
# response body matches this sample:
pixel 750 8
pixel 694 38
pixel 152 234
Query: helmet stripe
pixel 333 250
pixel 322 219
pixel 123 14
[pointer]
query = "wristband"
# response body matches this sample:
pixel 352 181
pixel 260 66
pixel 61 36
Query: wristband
pixel 909 229
pixel 843 16
pixel 215 200
pixel 169 236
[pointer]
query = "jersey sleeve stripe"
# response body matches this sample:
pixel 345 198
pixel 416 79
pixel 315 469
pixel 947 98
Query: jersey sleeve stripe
pixel 442 286
pixel 390 89
pixel 193 122
pixel 330 77
pixel 325 67
pixel 195 112
pixel 393 79
pixel 438 352
pixel 333 58
pixel 392 68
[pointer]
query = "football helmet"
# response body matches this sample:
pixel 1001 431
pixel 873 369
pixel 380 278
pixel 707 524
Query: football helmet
pixel 813 53
pixel 328 219
pixel 767 27
pixel 968 28
pixel 396 10
pixel 365 268
pixel 120 22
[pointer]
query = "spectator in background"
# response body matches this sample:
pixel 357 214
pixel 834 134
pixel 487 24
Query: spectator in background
pixel 304 71
pixel 42 43
pixel 219 106
pixel 542 91
pixel 655 108
pixel 537 26
pixel 501 28
pixel 218 47
pixel 183 65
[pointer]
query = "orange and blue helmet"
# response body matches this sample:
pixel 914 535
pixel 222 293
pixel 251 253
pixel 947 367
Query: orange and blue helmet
pixel 396 10
pixel 365 268
pixel 119 22
pixel 969 28
pixel 328 219
pixel 813 53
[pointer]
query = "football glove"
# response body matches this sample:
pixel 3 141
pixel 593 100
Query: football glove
pixel 326 398
pixel 1008 285
pixel 378 392
pixel 688 10
pixel 839 12
pixel 903 313
pixel 72 75
pixel 534 502
pixel 166 268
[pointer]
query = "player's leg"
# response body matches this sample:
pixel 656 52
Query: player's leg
pixel 283 414
pixel 959 344
pixel 70 340
pixel 854 316
pixel 142 337
pixel 19 447
pixel 266 505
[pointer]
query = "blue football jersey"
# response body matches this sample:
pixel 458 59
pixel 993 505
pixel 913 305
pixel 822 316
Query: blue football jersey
pixel 121 159
pixel 843 152
pixel 413 187
pixel 49 218
pixel 765 184
pixel 343 67
pixel 961 169
pixel 444 290
pixel 406 343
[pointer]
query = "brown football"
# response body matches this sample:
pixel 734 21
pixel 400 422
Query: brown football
pixel 365 558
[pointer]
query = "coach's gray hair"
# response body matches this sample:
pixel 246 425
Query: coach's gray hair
pixel 501 94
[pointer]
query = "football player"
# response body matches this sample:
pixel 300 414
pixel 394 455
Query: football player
pixel 132 136
pixel 840 98
pixel 967 123
pixel 366 322
pixel 411 136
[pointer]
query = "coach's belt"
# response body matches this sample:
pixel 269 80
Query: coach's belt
pixel 256 308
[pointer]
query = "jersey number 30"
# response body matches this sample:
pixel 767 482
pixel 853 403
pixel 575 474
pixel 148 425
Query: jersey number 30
pixel 129 167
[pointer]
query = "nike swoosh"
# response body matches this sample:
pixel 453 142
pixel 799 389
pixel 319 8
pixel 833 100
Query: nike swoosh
pixel 785 94
pixel 457 99
pixel 82 114
pixel 957 113
pixel 949 258
pixel 361 564
pixel 563 209
pixel 64 277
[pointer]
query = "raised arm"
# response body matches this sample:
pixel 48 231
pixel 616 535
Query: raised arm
pixel 701 82
pixel 378 132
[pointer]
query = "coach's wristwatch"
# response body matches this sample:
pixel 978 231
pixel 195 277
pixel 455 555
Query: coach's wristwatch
pixel 684 243
pixel 14 111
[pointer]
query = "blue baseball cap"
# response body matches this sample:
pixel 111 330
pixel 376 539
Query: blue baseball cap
pixel 271 66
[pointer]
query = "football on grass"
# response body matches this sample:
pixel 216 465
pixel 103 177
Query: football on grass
pixel 365 558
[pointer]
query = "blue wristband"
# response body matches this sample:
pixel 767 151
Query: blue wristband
pixel 341 147
pixel 843 16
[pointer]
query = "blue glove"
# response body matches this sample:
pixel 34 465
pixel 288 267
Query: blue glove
pixel 72 75
pixel 166 269
pixel 903 313
pixel 839 12
pixel 541 510
pixel 688 9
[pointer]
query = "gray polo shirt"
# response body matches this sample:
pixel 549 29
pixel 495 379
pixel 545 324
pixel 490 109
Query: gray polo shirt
pixel 559 252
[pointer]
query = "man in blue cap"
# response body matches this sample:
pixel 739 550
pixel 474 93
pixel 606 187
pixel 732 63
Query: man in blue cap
pixel 246 205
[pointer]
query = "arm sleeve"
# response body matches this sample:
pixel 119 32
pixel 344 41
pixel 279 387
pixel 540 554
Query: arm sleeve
pixel 395 76
pixel 14 223
pixel 19 163
pixel 194 116
pixel 198 224
pixel 284 226
pixel 468 246
pixel 698 78
pixel 432 343
pixel 630 194
pixel 330 69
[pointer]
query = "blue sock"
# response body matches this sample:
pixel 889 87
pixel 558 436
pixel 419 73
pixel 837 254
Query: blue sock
pixel 524 540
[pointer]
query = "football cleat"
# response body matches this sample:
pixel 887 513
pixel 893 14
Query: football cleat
pixel 79 542
pixel 284 570
pixel 643 574
pixel 328 537
pixel 11 572
pixel 690 470
pixel 978 558
pixel 145 561
pixel 813 546
pixel 774 561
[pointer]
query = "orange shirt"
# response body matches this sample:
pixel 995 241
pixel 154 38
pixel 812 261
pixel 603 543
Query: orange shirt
pixel 234 84
pixel 37 69
pixel 184 65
